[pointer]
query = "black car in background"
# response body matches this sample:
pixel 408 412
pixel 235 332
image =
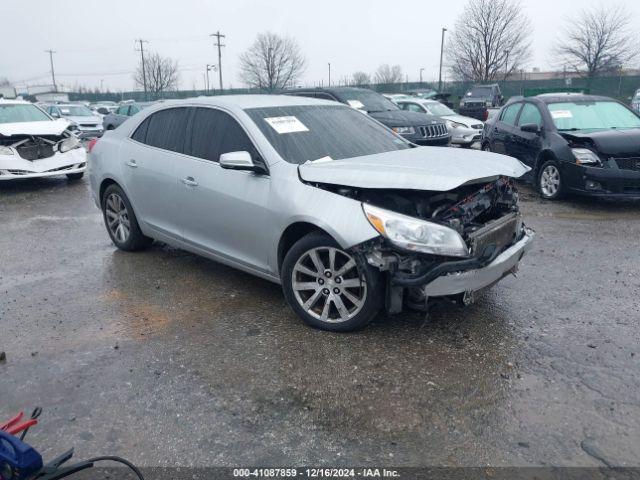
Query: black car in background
pixel 418 128
pixel 476 102
pixel 574 143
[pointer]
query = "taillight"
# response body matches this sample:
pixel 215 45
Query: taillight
pixel 91 144
pixel 486 116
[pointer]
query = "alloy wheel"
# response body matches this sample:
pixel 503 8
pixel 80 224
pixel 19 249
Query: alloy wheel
pixel 117 217
pixel 327 284
pixel 550 181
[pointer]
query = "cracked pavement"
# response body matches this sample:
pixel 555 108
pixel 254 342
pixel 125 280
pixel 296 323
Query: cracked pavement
pixel 171 359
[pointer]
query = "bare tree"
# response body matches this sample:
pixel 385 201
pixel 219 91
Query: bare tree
pixel 599 39
pixel 388 74
pixel 272 62
pixel 161 74
pixel 491 40
pixel 361 78
pixel 4 82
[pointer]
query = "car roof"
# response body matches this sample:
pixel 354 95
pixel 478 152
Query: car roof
pixel 250 101
pixel 580 97
pixel 338 90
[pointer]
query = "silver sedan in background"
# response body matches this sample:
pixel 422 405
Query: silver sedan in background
pixel 465 131
pixel 348 216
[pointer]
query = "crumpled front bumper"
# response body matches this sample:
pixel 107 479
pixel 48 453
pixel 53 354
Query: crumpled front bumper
pixel 473 280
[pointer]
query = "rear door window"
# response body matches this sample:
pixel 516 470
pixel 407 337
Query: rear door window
pixel 167 129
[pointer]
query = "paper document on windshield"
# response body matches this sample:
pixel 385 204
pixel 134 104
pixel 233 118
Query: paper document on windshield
pixel 356 104
pixel 561 114
pixel 288 124
pixel 321 160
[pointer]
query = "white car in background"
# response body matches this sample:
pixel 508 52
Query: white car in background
pixel 88 123
pixel 465 131
pixel 32 144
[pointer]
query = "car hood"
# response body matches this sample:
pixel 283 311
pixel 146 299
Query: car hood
pixel 468 121
pixel 47 127
pixel 401 118
pixel 609 142
pixel 422 168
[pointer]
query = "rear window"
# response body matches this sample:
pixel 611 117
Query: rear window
pixel 323 132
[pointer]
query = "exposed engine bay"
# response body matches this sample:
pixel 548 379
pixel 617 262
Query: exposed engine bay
pixel 486 216
pixel 34 147
pixel 465 209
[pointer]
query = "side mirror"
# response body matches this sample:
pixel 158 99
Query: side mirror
pixel 530 128
pixel 238 161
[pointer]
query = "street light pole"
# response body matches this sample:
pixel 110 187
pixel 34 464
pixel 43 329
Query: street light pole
pixel 441 53
pixel 329 63
pixel 421 70
pixel 53 73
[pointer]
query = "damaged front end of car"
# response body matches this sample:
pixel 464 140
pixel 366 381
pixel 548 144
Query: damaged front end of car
pixel 28 155
pixel 447 245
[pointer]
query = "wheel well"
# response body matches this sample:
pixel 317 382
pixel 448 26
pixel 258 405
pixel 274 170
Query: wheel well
pixel 543 157
pixel 291 235
pixel 103 186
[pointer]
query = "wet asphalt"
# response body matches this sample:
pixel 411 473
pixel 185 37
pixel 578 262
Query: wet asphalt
pixel 171 359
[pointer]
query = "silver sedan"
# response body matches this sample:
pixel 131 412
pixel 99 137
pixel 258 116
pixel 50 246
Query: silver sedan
pixel 348 216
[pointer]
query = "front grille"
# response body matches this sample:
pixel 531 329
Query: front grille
pixel 433 131
pixel 19 172
pixel 89 125
pixel 628 163
pixel 67 167
pixel 501 233
pixel 478 126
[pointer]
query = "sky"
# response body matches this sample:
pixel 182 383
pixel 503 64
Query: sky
pixel 95 44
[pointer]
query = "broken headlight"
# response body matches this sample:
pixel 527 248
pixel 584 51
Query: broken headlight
pixel 584 156
pixel 6 151
pixel 69 144
pixel 414 234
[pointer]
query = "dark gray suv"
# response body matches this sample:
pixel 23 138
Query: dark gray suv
pixel 418 128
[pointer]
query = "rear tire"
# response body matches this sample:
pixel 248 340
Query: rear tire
pixel 75 176
pixel 486 147
pixel 327 287
pixel 121 222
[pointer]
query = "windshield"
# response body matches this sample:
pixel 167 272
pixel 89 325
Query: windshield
pixel 437 108
pixel 367 100
pixel 588 115
pixel 323 132
pixel 75 111
pixel 479 92
pixel 22 113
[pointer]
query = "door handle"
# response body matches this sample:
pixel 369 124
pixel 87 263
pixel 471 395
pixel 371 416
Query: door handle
pixel 189 181
pixel 132 163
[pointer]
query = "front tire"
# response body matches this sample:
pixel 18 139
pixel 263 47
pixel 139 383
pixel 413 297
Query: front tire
pixel 550 183
pixel 327 287
pixel 121 222
pixel 486 147
pixel 75 176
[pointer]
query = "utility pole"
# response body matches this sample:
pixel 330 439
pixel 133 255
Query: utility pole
pixel 53 73
pixel 421 70
pixel 219 44
pixel 441 52
pixel 329 63
pixel 144 70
